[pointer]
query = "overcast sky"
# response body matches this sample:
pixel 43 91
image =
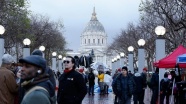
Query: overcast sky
pixel 75 14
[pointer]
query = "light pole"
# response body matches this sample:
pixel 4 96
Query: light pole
pixel 130 55
pixel 42 48
pixel 141 55
pixel 118 61
pixel 122 59
pixel 113 69
pixel 160 47
pixel 26 48
pixel 54 61
pixel 60 63
pixel 2 30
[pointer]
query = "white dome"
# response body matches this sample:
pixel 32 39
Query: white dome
pixel 94 26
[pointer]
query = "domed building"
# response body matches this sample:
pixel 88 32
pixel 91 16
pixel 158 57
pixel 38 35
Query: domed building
pixel 94 38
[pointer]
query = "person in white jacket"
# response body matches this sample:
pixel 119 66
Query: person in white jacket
pixel 108 81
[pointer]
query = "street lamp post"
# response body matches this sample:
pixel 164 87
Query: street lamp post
pixel 114 65
pixel 130 55
pixel 54 61
pixel 160 47
pixel 118 61
pixel 60 63
pixel 122 59
pixel 26 48
pixel 42 48
pixel 2 30
pixel 113 69
pixel 141 55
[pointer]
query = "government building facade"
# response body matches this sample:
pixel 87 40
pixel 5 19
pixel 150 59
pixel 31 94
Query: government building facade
pixel 94 38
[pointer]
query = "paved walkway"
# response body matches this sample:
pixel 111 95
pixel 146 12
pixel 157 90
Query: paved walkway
pixel 109 98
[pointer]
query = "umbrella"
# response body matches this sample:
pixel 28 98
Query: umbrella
pixel 99 66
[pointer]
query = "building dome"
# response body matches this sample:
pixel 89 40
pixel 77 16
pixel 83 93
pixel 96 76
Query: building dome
pixel 94 25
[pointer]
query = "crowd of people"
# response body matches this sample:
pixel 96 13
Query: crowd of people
pixel 31 79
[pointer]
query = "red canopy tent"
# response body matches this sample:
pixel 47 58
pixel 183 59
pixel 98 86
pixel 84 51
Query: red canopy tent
pixel 170 60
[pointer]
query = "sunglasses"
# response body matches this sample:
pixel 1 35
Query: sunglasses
pixel 66 61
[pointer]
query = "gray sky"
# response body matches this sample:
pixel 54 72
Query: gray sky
pixel 75 14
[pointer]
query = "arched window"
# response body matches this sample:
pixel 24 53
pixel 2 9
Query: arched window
pixel 85 41
pixel 93 40
pixel 98 41
pixel 88 41
pixel 102 41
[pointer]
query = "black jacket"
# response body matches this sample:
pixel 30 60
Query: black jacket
pixel 91 78
pixel 72 88
pixel 123 87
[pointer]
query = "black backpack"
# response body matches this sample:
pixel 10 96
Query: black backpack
pixel 165 86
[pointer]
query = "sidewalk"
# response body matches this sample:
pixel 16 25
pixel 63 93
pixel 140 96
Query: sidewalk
pixel 109 98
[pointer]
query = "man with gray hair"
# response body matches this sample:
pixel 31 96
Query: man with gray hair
pixel 8 87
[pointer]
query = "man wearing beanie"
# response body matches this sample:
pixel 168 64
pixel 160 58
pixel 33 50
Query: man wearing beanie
pixel 48 70
pixel 36 82
pixel 124 86
pixel 72 87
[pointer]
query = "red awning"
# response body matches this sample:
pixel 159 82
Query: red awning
pixel 170 60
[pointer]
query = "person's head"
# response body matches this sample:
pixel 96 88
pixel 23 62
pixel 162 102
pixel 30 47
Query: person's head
pixel 69 63
pixel 157 70
pixel 124 70
pixel 81 70
pixel 118 70
pixel 166 75
pixel 173 73
pixel 129 71
pixel 7 61
pixel 32 66
pixel 107 72
pixel 144 69
pixel 37 52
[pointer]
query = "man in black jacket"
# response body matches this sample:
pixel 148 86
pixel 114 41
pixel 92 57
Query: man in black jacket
pixel 91 80
pixel 72 87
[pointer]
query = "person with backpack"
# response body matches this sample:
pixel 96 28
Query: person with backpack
pixel 155 86
pixel 165 89
pixel 91 80
pixel 36 83
pixel 138 92
pixel 123 87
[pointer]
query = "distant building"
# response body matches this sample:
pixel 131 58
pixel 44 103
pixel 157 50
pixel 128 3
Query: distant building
pixel 94 38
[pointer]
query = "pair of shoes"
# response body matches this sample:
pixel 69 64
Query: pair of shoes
pixel 89 94
pixel 92 94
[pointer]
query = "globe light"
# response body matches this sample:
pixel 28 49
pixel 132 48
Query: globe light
pixel 42 48
pixel 60 56
pixel 54 54
pixel 141 42
pixel 26 41
pixel 112 60
pixel 115 59
pixel 160 30
pixel 122 54
pixel 2 30
pixel 118 57
pixel 64 58
pixel 130 48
